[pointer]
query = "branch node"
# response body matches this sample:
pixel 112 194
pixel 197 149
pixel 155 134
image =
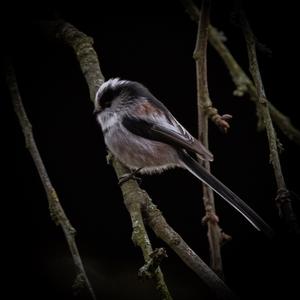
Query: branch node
pixel 196 55
pixel 283 196
pixel 279 146
pixel 222 36
pixel 210 217
pixel 224 238
pixel 147 271
pixel 242 85
pixel 219 120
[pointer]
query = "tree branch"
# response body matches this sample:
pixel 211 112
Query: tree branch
pixel 204 102
pixel 283 198
pixel 133 195
pixel 133 198
pixel 56 211
pixel 205 108
pixel 239 77
pixel 89 63
pixel 165 232
pixel 136 200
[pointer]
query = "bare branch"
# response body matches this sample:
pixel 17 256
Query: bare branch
pixel 133 198
pixel 133 194
pixel 283 197
pixel 89 63
pixel 85 53
pixel 204 102
pixel 239 77
pixel 165 232
pixel 56 211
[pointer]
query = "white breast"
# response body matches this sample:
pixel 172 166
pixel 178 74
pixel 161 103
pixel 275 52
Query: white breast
pixel 107 120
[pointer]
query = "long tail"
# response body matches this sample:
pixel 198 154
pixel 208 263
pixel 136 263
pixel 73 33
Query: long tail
pixel 196 169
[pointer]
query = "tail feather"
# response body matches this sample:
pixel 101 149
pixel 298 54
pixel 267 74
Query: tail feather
pixel 196 169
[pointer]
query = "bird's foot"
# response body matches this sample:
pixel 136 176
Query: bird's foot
pixel 129 176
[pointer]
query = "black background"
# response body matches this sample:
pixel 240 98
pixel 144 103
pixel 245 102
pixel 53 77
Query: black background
pixel 151 42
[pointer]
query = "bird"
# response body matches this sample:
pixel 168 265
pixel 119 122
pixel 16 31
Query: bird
pixel 142 133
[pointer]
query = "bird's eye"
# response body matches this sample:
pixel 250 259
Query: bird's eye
pixel 106 99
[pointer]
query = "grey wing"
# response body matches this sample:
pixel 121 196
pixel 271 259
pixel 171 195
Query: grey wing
pixel 162 127
pixel 197 146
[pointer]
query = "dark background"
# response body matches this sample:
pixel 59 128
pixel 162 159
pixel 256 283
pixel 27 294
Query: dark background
pixel 151 42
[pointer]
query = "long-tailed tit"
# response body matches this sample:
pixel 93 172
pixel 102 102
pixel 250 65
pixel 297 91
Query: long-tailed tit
pixel 141 132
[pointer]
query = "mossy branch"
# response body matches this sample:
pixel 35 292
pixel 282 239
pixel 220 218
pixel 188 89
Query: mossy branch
pixel 133 198
pixel 56 210
pixel 133 194
pixel 239 77
pixel 203 102
pixel 164 231
pixel 137 200
pixel 283 199
pixel 89 63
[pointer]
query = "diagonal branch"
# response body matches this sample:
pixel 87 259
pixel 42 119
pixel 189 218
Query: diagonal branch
pixel 204 102
pixel 89 63
pixel 132 193
pixel 56 211
pixel 131 190
pixel 239 77
pixel 165 232
pixel 133 199
pixel 283 198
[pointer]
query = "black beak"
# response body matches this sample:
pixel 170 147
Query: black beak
pixel 97 110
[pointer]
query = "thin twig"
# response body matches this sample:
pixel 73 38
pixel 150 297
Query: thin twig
pixel 205 107
pixel 283 198
pixel 204 101
pixel 239 77
pixel 89 63
pixel 57 213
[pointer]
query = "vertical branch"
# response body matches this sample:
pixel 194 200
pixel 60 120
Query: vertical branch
pixel 56 211
pixel 283 196
pixel 203 104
